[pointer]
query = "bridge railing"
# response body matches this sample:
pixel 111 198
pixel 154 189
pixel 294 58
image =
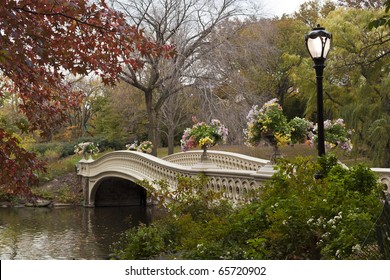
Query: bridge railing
pixel 384 178
pixel 224 160
pixel 227 160
pixel 236 177
pixel 235 183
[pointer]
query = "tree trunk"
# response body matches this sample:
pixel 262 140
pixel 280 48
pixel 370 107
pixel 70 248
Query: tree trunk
pixel 153 131
pixel 171 139
pixel 153 121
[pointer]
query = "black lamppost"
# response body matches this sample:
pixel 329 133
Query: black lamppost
pixel 318 43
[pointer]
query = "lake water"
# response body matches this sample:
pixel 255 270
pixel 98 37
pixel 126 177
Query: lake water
pixel 66 233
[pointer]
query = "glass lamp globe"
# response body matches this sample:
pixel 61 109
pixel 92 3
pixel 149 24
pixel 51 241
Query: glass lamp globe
pixel 318 43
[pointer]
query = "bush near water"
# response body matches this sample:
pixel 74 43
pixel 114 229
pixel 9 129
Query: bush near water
pixel 294 216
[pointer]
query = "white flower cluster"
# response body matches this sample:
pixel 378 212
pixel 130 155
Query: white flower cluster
pixel 144 147
pixel 322 222
pixel 333 222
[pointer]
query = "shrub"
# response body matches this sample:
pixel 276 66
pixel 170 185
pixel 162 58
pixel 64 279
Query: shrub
pixel 67 195
pixel 53 150
pixel 67 149
pixel 319 219
pixel 52 154
pixel 42 193
pixel 106 144
pixel 295 216
pixel 195 228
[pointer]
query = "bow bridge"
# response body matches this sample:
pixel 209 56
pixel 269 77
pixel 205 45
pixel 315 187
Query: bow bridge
pixel 112 179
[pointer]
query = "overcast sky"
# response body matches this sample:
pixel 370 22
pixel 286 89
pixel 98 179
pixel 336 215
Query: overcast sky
pixel 280 7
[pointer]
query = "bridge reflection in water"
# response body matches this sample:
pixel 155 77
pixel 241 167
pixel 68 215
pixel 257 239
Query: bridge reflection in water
pixel 111 179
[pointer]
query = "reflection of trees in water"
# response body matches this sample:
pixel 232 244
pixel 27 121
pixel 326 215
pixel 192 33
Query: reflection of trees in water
pixel 105 224
pixel 65 233
pixel 8 250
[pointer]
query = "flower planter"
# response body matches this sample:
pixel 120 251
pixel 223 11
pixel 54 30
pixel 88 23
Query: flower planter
pixel 204 136
pixel 275 148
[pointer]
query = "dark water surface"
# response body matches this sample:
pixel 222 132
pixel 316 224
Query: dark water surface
pixel 65 233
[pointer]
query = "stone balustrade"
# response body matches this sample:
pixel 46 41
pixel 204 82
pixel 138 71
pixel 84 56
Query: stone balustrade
pixel 224 160
pixel 234 174
pixel 135 166
pixel 384 178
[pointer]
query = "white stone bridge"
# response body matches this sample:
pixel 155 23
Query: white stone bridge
pixel 112 179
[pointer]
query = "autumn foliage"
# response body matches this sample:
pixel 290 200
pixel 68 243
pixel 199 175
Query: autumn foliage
pixel 41 42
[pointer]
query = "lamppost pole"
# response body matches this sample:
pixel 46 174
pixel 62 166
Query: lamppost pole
pixel 319 67
pixel 318 43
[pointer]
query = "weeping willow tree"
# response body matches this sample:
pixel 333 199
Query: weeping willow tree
pixel 360 69
pixel 369 114
pixel 380 129
pixel 356 80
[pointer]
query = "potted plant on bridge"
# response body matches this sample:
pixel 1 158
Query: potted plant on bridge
pixel 270 124
pixel 86 148
pixel 143 147
pixel 336 135
pixel 204 136
pixel 133 146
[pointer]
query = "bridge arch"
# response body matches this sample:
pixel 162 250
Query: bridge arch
pixel 114 189
pixel 117 191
